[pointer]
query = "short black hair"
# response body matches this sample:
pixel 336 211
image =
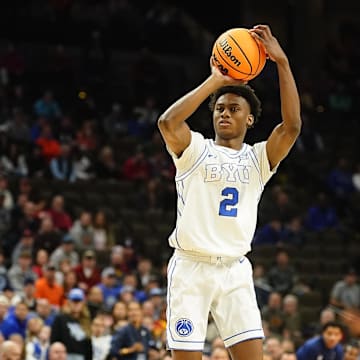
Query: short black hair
pixel 335 324
pixel 245 91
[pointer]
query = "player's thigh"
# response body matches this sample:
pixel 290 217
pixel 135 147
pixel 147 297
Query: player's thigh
pixel 236 311
pixel 189 296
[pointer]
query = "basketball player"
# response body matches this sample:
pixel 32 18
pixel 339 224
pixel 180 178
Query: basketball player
pixel 219 183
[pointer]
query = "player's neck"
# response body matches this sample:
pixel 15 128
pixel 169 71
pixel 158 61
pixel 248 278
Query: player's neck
pixel 234 144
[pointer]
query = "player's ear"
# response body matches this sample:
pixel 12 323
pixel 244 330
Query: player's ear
pixel 250 121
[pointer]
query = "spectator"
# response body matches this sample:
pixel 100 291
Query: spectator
pixel 219 353
pixel 339 180
pixel 57 351
pixel 7 196
pixel 48 238
pixel 47 106
pixel 95 301
pixel 26 244
pixel 45 311
pixel 4 307
pixel 327 345
pixel 104 236
pixel 37 164
pixel 62 167
pixel 282 275
pixel 100 340
pixel 134 339
pixel 322 215
pixel 272 346
pixel 61 218
pixel 292 318
pixel 16 321
pixel 109 287
pixel 87 136
pixel 82 231
pixel 66 250
pixel 106 166
pixel 137 167
pixel 50 147
pixel 87 272
pixel 38 348
pixel 13 163
pixel 20 271
pixel 345 293
pixel 72 327
pixel 262 287
pixel 272 313
pixel 29 294
pixel 47 288
pixel 10 350
pixel 269 234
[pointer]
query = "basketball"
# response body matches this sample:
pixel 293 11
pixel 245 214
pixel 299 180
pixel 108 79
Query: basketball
pixel 238 55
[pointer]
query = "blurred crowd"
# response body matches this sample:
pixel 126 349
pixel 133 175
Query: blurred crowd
pixel 70 285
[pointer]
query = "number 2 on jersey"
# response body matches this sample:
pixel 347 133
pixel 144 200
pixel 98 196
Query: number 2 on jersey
pixel 228 205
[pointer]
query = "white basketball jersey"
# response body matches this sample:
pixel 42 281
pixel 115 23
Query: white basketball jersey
pixel 218 191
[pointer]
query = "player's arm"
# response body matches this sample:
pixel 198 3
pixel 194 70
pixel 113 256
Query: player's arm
pixel 173 128
pixel 284 135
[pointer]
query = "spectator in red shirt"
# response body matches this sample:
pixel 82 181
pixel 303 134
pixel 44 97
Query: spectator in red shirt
pixel 60 217
pixel 88 273
pixel 50 147
pixel 137 167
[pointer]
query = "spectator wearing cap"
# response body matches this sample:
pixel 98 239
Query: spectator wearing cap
pixel 87 272
pixel 66 250
pixel 47 288
pixel 109 287
pixel 20 271
pixel 26 243
pixel 16 321
pixel 72 326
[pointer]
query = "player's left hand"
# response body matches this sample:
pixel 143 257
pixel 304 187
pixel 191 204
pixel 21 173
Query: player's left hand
pixel 224 79
pixel 272 46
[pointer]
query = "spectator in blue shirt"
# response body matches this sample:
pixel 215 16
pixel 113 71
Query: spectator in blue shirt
pixel 16 321
pixel 327 346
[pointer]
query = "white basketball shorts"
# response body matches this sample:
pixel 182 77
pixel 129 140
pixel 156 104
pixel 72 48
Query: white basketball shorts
pixel 198 285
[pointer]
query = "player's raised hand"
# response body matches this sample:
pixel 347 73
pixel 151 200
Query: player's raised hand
pixel 271 44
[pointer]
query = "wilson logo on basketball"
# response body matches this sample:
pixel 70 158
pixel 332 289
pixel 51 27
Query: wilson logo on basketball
pixel 227 49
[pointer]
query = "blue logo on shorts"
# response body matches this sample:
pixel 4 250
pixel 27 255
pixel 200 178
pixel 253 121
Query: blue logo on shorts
pixel 184 327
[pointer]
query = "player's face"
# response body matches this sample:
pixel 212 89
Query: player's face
pixel 332 336
pixel 231 116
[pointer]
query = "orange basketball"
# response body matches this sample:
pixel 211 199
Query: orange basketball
pixel 238 54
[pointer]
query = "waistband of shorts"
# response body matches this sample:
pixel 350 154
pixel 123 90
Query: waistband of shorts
pixel 210 259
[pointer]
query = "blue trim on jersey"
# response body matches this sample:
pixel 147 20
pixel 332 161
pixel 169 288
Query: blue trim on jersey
pixel 257 167
pixel 172 265
pixel 176 238
pixel 193 168
pixel 240 333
